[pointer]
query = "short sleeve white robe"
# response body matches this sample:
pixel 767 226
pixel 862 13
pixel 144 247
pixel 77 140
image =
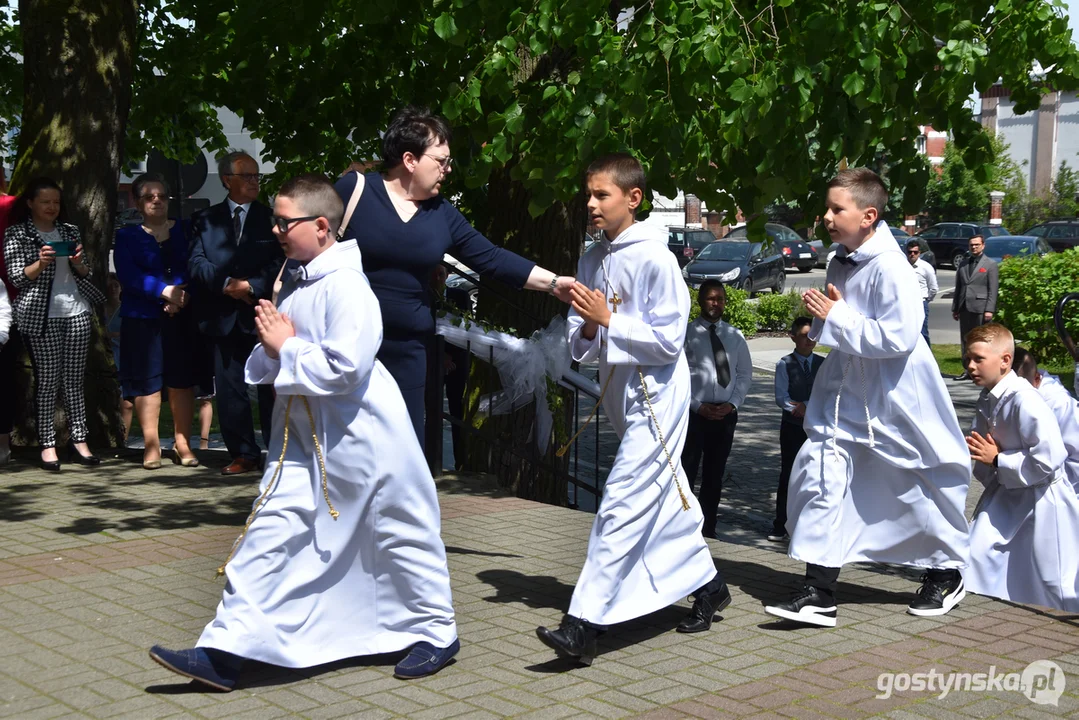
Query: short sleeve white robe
pixel 645 552
pixel 304 589
pixel 1066 410
pixel 1022 538
pixel 900 497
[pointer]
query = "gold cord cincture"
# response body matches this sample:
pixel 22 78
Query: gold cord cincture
pixel 277 475
pixel 662 441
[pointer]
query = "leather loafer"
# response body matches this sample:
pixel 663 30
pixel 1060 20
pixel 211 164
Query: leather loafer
pixel 240 466
pixel 425 659
pixel 705 606
pixel 211 667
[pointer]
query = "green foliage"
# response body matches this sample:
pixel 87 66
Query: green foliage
pixel 1023 210
pixel 961 191
pixel 11 77
pixel 776 312
pixel 1029 290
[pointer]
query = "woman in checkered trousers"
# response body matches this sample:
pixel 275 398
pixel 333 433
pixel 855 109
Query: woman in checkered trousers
pixel 52 310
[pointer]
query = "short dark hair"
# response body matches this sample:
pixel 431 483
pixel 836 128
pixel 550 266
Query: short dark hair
pixel 20 212
pixel 979 236
pixel 227 161
pixel 624 170
pixel 140 183
pixel 912 243
pixel 317 196
pixel 1025 364
pixel 709 285
pixel 800 322
pixel 865 186
pixel 412 129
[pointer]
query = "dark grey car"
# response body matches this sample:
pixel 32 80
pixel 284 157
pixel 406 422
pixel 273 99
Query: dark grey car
pixel 744 265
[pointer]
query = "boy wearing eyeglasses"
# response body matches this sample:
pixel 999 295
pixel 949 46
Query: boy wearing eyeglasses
pixel 927 281
pixel 341 556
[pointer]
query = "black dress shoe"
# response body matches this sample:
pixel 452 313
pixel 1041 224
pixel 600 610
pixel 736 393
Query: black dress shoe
pixel 574 639
pixel 50 465
pixel 705 606
pixel 81 459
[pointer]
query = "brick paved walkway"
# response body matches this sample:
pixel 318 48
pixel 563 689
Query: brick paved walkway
pixel 97 564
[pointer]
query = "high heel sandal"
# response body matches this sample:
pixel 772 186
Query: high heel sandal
pixel 184 462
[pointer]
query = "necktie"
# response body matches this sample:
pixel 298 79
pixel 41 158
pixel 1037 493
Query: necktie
pixel 723 367
pixel 805 365
pixel 237 222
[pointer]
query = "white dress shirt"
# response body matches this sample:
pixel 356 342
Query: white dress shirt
pixel 927 279
pixel 702 364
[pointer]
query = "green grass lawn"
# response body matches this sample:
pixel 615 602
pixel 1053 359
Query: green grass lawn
pixel 948 359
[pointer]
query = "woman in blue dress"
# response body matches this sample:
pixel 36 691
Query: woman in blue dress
pixel 403 227
pixel 158 336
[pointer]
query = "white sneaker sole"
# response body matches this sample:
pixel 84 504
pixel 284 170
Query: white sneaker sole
pixel 949 602
pixel 808 615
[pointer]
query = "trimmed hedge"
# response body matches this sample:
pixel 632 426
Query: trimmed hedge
pixel 1029 290
pixel 739 313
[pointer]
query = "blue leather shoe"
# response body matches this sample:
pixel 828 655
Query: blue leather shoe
pixel 211 667
pixel 425 659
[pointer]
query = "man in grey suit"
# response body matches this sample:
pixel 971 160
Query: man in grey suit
pixel 975 298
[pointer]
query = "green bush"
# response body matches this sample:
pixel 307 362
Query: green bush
pixel 739 313
pixel 777 312
pixel 1029 290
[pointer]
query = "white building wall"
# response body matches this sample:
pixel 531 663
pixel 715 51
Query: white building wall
pixel 1068 131
pixel 1017 131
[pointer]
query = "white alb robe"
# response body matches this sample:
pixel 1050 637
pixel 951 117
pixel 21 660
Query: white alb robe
pixel 1066 410
pixel 304 589
pixel 885 478
pixel 1022 538
pixel 645 552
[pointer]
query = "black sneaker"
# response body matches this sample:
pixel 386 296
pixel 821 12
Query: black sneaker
pixel 779 537
pixel 809 605
pixel 937 597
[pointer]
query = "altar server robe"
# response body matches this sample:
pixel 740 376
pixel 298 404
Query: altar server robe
pixel 645 552
pixel 1022 538
pixel 304 589
pixel 884 477
pixel 1066 410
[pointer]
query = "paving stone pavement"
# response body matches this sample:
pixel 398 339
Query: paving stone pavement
pixel 97 564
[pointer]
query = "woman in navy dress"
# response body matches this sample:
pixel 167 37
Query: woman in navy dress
pixel 158 336
pixel 403 228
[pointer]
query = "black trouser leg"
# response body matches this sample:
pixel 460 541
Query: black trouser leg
pixel 691 451
pixel 719 436
pixel 942 575
pixel 791 439
pixel 233 405
pixel 823 578
pixel 267 397
pixel 9 394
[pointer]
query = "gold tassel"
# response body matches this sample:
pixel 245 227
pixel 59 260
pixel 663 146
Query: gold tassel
pixel 659 432
pixel 277 476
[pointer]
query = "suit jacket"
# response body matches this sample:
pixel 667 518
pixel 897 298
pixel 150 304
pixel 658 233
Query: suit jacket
pixel 215 256
pixel 976 286
pixel 22 246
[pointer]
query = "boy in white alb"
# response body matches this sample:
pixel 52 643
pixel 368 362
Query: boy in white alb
pixel 341 556
pixel 630 310
pixel 1060 401
pixel 1022 538
pixel 884 474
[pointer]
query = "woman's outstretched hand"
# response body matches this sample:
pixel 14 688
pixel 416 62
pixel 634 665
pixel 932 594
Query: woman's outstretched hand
pixel 562 288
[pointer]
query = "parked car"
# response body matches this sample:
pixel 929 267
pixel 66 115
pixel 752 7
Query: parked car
pixel 1061 234
pixel 685 242
pixel 1000 248
pixel 949 240
pixel 738 263
pixel 796 252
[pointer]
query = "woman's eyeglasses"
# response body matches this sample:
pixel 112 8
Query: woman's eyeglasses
pixel 153 196
pixel 444 162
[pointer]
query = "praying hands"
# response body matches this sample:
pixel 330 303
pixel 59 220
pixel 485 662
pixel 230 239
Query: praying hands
pixel 819 304
pixel 274 328
pixel 983 449
pixel 591 305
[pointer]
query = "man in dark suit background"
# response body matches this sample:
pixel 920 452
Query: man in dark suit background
pixel 975 299
pixel 233 263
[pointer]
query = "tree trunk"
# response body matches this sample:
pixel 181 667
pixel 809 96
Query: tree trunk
pixel 77 68
pixel 554 241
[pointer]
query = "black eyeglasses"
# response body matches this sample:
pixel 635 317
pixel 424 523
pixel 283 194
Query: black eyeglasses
pixel 283 223
pixel 246 177
pixel 153 196
pixel 914 252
